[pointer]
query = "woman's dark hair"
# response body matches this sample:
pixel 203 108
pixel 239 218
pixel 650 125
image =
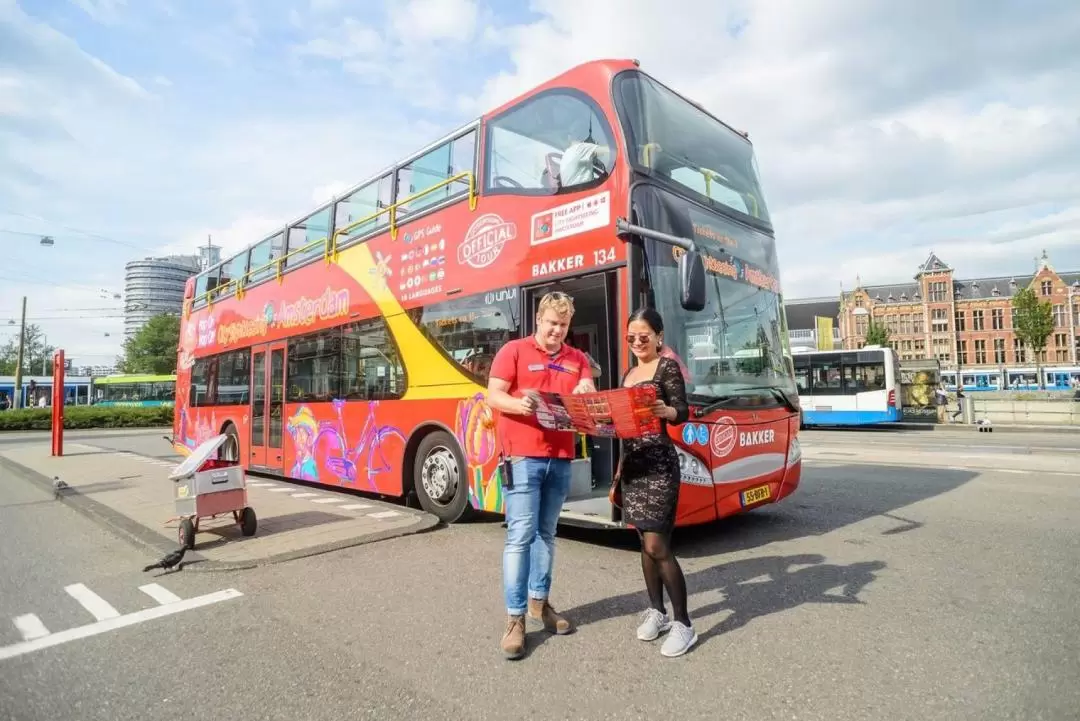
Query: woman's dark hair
pixel 649 316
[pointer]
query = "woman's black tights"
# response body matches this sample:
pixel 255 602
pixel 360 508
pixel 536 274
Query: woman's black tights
pixel 662 571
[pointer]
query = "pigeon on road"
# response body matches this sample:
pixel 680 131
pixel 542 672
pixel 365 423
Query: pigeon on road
pixel 58 486
pixel 170 560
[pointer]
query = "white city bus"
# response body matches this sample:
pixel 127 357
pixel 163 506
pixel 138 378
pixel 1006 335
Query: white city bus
pixel 848 388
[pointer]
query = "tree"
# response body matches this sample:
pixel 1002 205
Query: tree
pixel 877 334
pixel 153 348
pixel 37 354
pixel 1033 322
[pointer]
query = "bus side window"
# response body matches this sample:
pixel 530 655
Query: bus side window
pixel 553 141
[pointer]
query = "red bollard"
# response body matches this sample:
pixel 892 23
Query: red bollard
pixel 58 398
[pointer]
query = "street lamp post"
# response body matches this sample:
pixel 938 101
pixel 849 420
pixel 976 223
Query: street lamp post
pixel 16 402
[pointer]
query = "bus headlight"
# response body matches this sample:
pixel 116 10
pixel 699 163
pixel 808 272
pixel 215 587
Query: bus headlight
pixel 794 454
pixel 692 471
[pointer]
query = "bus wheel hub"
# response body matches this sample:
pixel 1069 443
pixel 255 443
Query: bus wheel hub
pixel 440 475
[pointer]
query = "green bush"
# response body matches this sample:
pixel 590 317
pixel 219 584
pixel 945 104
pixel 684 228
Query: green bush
pixel 40 419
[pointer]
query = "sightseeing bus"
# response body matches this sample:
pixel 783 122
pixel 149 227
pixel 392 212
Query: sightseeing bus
pixel 135 390
pixel 365 330
pixel 849 388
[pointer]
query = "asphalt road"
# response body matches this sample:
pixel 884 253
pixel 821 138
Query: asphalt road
pixel 874 592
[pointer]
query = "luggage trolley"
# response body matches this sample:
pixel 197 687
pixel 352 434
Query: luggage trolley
pixel 206 487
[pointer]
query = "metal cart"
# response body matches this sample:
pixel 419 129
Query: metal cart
pixel 206 487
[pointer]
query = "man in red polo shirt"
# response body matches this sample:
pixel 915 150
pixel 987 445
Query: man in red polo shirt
pixel 540 461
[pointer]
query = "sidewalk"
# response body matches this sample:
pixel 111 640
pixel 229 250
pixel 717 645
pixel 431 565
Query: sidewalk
pixel 132 495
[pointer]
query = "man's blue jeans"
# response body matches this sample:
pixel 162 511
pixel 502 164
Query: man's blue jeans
pixel 532 510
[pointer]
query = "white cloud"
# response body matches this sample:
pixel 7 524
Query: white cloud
pixel 106 12
pixel 421 21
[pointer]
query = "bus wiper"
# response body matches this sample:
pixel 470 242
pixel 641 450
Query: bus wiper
pixel 779 393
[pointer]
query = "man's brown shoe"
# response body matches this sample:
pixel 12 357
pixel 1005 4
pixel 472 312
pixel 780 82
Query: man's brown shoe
pixel 513 641
pixel 541 610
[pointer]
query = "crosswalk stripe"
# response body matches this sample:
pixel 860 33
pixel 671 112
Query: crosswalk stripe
pixel 303 495
pixel 356 506
pixel 95 604
pixel 31 627
pixel 384 514
pixel 280 490
pixel 111 624
pixel 159 593
pixel 329 500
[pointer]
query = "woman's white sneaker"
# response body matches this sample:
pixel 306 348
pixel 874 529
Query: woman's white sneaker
pixel 655 623
pixel 680 639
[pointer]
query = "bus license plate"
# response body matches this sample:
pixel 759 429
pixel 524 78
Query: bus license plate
pixel 756 495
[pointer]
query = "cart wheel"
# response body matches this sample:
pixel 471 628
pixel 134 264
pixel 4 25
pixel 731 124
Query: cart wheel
pixel 187 534
pixel 248 522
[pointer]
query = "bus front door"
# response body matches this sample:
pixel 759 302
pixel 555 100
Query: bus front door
pixel 267 407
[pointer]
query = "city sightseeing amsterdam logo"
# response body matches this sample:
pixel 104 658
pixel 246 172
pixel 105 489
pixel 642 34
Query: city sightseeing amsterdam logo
pixel 485 239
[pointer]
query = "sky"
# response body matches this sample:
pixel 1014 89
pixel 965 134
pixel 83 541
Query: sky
pixel 883 130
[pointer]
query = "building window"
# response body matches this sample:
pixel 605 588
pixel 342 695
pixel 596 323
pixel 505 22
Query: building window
pixel 997 319
pixel 905 324
pixel 1061 340
pixel 999 350
pixel 977 320
pixel 1019 351
pixel 862 324
pixel 960 321
pixel 938 292
pixel 939 320
pixel 1047 287
pixel 1059 317
pixel 918 323
pixel 961 352
pixel 980 352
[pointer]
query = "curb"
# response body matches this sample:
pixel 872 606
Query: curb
pixel 940 427
pixel 146 539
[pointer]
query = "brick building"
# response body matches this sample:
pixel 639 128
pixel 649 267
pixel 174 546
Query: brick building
pixel 937 315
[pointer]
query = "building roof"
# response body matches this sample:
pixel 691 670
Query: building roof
pixel 801 312
pixel 963 289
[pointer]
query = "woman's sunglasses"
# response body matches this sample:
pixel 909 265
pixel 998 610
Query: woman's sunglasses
pixel 641 338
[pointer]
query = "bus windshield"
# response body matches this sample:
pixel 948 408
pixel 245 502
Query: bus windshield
pixel 679 142
pixel 735 345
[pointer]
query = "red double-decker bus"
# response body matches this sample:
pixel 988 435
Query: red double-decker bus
pixel 352 347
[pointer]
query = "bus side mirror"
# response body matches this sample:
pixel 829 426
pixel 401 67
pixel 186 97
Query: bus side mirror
pixel 692 280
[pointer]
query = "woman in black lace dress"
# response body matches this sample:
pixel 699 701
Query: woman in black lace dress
pixel 649 480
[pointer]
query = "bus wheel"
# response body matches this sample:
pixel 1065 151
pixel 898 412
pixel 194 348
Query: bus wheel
pixel 439 477
pixel 230 449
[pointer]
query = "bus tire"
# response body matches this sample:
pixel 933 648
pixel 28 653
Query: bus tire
pixel 440 478
pixel 230 449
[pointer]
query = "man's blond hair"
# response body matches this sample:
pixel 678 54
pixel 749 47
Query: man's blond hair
pixel 557 301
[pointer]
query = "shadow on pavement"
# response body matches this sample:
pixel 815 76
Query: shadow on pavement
pixel 828 498
pixel 750 588
pixel 222 530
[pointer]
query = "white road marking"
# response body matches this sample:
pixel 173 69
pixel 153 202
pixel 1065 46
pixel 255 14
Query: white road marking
pixel 261 484
pixel 95 604
pixel 111 624
pixel 329 500
pixel 303 495
pixel 1012 470
pixel 356 506
pixel 280 490
pixel 31 627
pixel 159 593
pixel 384 514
